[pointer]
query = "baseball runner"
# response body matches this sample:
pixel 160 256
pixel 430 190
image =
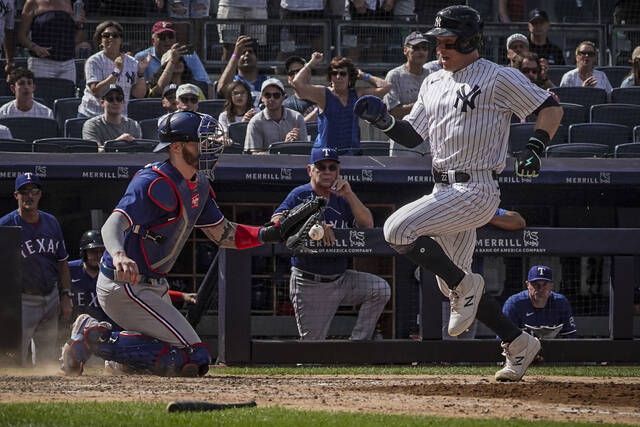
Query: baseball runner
pixel 539 310
pixel 464 110
pixel 319 285
pixel 143 237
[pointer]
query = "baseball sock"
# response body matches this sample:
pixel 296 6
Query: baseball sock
pixel 427 253
pixel 490 313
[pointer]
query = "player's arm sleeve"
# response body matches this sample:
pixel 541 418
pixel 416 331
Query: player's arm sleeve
pixel 211 214
pixel 514 92
pixel 113 232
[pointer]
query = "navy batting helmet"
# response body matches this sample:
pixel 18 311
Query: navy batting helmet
pixel 459 21
pixel 89 240
pixel 178 126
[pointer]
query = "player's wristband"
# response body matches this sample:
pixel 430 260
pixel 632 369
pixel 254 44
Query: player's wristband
pixel 538 141
pixel 247 236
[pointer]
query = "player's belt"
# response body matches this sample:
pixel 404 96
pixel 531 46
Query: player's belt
pixel 317 277
pixel 451 177
pixel 111 274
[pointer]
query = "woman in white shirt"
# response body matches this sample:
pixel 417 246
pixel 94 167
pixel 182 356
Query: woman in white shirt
pixel 633 79
pixel 110 66
pixel 238 106
pixel 585 74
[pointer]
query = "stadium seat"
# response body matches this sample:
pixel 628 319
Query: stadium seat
pixel 615 73
pixel 577 150
pixel 234 149
pixel 631 149
pixel 620 114
pixel 73 127
pixel 599 133
pixel 64 145
pixel 63 109
pixel 586 96
pixel 573 113
pixel 31 128
pixel 556 72
pixel 296 147
pixel 51 89
pixel 145 108
pixel 212 107
pixel 520 133
pixel 237 132
pixel 626 95
pixel 149 128
pixel 312 130
pixel 135 146
pixel 15 145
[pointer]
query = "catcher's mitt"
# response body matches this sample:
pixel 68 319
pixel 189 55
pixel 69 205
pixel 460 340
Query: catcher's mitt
pixel 296 242
pixel 293 221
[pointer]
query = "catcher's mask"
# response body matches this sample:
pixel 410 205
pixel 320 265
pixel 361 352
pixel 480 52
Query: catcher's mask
pixel 212 141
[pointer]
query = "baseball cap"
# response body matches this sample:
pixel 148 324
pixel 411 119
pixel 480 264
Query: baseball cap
pixel 162 27
pixel 323 153
pixel 538 14
pixel 540 272
pixel 112 88
pixel 272 82
pixel 169 88
pixel 517 37
pixel 188 89
pixel 27 178
pixel 415 38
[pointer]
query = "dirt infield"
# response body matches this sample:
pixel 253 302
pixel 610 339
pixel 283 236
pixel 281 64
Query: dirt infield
pixel 611 400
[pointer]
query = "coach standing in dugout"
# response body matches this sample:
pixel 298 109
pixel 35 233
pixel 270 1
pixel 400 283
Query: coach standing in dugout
pixel 46 284
pixel 465 110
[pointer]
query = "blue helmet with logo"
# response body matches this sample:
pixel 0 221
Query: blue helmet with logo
pixel 178 126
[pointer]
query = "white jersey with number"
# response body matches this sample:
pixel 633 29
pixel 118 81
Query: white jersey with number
pixel 466 114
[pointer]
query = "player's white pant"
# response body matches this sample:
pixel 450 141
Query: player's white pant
pixel 145 308
pixel 316 303
pixel 450 215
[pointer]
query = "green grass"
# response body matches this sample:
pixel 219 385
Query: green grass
pixel 146 414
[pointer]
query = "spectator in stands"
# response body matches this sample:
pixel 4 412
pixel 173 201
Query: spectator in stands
pixel 7 22
pixel 169 98
pixel 163 39
pixel 338 126
pixel 528 64
pixel 292 66
pixel 544 73
pixel 585 74
pixel 111 67
pixel 185 9
pixel 48 30
pixel 112 124
pixel 172 70
pixel 46 284
pixel 538 40
pixel 517 44
pixel 540 310
pixel 405 82
pixel 275 123
pixel 292 36
pixel 238 105
pixel 243 65
pixel 21 84
pixel 633 79
pixel 319 285
pixel 188 96
pixel 230 33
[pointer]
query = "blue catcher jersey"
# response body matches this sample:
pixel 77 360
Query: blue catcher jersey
pixel 83 287
pixel 519 309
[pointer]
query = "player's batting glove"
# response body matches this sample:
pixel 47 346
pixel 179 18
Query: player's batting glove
pixel 371 109
pixel 528 160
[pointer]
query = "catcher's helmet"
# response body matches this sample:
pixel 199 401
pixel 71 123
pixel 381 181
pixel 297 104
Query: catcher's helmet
pixel 460 21
pixel 178 126
pixel 89 240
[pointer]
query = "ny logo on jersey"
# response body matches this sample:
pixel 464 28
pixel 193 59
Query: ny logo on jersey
pixel 468 99
pixel 131 77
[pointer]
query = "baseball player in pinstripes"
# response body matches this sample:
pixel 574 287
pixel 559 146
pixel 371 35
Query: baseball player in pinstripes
pixel 465 110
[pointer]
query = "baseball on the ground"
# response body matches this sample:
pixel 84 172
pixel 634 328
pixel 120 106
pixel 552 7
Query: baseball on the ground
pixel 316 232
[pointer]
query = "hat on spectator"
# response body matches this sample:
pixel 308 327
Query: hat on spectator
pixel 27 178
pixel 272 82
pixel 540 272
pixel 162 27
pixel 112 88
pixel 319 154
pixel 188 89
pixel 168 89
pixel 517 37
pixel 415 38
pixel 538 14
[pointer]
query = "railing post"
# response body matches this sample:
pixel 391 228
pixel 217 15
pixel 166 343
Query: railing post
pixel 621 299
pixel 11 301
pixel 430 307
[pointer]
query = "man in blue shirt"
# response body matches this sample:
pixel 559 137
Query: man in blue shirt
pixel 538 309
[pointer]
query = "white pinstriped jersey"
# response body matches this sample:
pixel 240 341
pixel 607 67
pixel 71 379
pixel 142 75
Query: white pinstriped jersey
pixel 466 114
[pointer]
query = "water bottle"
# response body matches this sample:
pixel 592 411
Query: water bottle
pixel 78 7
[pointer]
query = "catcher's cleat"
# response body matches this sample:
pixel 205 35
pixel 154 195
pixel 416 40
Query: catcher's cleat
pixel 85 332
pixel 190 370
pixel 519 353
pixel 464 303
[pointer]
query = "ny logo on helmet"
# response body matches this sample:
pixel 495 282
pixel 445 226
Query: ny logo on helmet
pixel 438 23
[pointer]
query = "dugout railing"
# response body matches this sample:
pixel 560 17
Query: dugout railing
pixel 236 345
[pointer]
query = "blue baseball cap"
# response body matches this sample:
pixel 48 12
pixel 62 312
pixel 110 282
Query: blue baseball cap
pixel 540 272
pixel 323 153
pixel 27 178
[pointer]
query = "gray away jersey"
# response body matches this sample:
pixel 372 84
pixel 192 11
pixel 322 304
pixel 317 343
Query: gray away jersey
pixel 466 115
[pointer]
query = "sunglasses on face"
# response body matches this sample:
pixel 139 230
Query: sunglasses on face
pixel 115 98
pixel 189 99
pixel 274 95
pixel 587 53
pixel 330 167
pixel 335 73
pixel 292 73
pixel 239 93
pixel 110 35
pixel 30 191
pixel 165 36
